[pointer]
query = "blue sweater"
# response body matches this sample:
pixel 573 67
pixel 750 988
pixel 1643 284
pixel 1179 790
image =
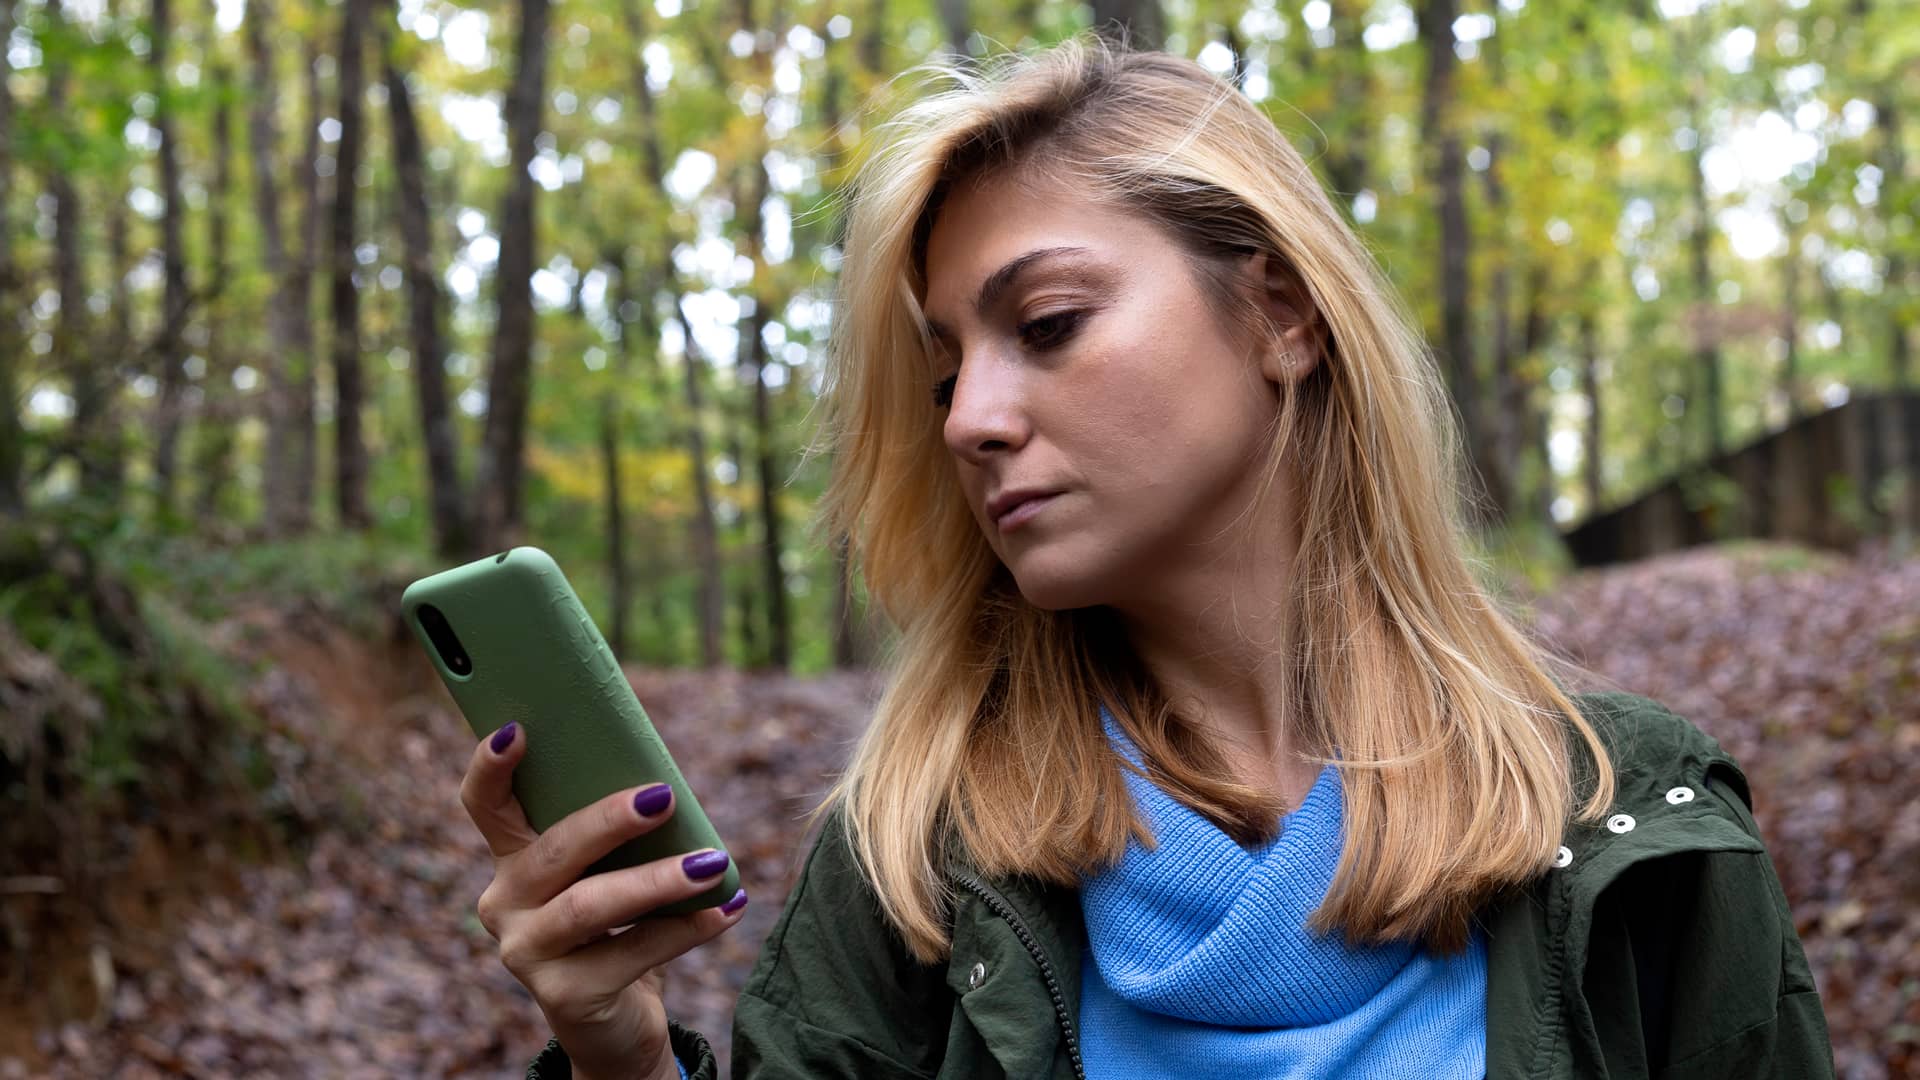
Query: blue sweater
pixel 1199 962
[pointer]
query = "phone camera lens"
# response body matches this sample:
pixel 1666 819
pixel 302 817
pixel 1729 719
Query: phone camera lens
pixel 444 640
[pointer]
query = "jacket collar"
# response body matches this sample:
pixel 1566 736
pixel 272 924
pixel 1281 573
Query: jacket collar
pixel 993 972
pixel 1676 790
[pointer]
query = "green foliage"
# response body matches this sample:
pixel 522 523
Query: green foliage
pixel 1715 498
pixel 1523 555
pixel 145 697
pixel 1846 502
pixel 1768 558
pixel 1578 121
pixel 339 575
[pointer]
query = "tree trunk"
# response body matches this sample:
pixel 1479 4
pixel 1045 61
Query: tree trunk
pixel 120 265
pixel 215 436
pixel 426 343
pixel 1691 37
pixel 1533 333
pixel 13 501
pixel 502 463
pixel 1508 395
pixel 752 651
pixel 655 160
pixel 168 351
pixel 751 363
pixel 957 22
pixel 1139 21
pixel 637 327
pixel 1346 156
pixel 706 533
pixel 1891 159
pixel 1893 172
pixel 710 596
pixel 779 629
pixel 1446 166
pixel 349 447
pixel 282 335
pixel 610 441
pixel 1237 49
pixel 849 643
pixel 616 524
pixel 1706 347
pixel 1790 319
pixel 1590 385
pixel 92 432
pixel 1905 510
pixel 104 470
pixel 873 37
pixel 304 359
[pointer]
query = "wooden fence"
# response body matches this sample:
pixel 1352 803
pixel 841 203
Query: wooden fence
pixel 1831 480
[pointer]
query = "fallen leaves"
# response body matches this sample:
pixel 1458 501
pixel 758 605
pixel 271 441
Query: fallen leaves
pixel 1810 678
pixel 361 954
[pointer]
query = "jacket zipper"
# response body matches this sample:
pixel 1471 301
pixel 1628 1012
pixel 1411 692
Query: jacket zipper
pixel 1005 910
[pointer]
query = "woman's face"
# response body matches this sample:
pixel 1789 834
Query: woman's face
pixel 1100 373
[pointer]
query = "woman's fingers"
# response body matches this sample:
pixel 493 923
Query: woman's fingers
pixel 585 910
pixel 599 991
pixel 487 792
pixel 641 952
pixel 542 864
pixel 556 858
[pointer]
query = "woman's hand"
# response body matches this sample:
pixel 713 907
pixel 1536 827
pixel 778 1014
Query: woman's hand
pixel 600 990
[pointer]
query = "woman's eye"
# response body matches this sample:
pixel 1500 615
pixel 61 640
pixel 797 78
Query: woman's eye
pixel 1056 328
pixel 1053 331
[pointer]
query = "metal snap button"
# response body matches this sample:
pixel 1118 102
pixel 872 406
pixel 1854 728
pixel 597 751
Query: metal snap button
pixel 1564 856
pixel 977 976
pixel 1620 823
pixel 1678 795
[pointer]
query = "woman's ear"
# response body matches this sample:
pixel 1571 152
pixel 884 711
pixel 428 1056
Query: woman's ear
pixel 1302 332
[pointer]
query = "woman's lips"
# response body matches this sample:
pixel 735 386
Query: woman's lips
pixel 1024 512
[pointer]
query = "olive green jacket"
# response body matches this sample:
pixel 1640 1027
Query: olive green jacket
pixel 1662 946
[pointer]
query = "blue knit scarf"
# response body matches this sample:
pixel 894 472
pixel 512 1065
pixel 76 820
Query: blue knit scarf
pixel 1199 962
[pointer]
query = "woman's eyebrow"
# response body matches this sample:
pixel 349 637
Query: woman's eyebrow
pixel 1009 275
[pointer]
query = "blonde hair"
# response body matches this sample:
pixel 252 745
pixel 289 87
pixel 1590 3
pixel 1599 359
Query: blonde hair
pixel 1456 747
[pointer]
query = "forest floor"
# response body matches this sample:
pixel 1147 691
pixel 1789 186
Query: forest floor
pixel 359 954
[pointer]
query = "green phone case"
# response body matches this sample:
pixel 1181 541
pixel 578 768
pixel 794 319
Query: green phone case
pixel 537 658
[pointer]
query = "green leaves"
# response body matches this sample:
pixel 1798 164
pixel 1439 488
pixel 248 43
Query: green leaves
pixel 1574 119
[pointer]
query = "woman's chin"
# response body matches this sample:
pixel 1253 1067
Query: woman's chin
pixel 1057 591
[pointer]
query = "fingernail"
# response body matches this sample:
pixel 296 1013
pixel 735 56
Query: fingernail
pixel 651 800
pixel 504 737
pixel 739 901
pixel 704 865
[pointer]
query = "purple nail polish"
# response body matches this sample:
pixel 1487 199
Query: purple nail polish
pixel 504 737
pixel 704 865
pixel 649 801
pixel 739 901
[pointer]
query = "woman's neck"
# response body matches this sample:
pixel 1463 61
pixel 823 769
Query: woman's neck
pixel 1212 638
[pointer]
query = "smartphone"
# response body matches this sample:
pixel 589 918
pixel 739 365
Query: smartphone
pixel 512 642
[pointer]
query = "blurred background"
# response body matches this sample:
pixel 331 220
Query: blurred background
pixel 300 301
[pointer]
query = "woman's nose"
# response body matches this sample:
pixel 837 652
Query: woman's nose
pixel 986 413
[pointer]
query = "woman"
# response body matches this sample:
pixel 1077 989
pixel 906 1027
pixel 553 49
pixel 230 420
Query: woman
pixel 1203 747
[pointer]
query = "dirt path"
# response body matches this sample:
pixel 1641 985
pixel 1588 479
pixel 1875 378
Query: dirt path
pixel 1810 678
pixel 361 956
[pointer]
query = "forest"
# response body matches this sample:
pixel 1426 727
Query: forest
pixel 296 268
pixel 301 300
